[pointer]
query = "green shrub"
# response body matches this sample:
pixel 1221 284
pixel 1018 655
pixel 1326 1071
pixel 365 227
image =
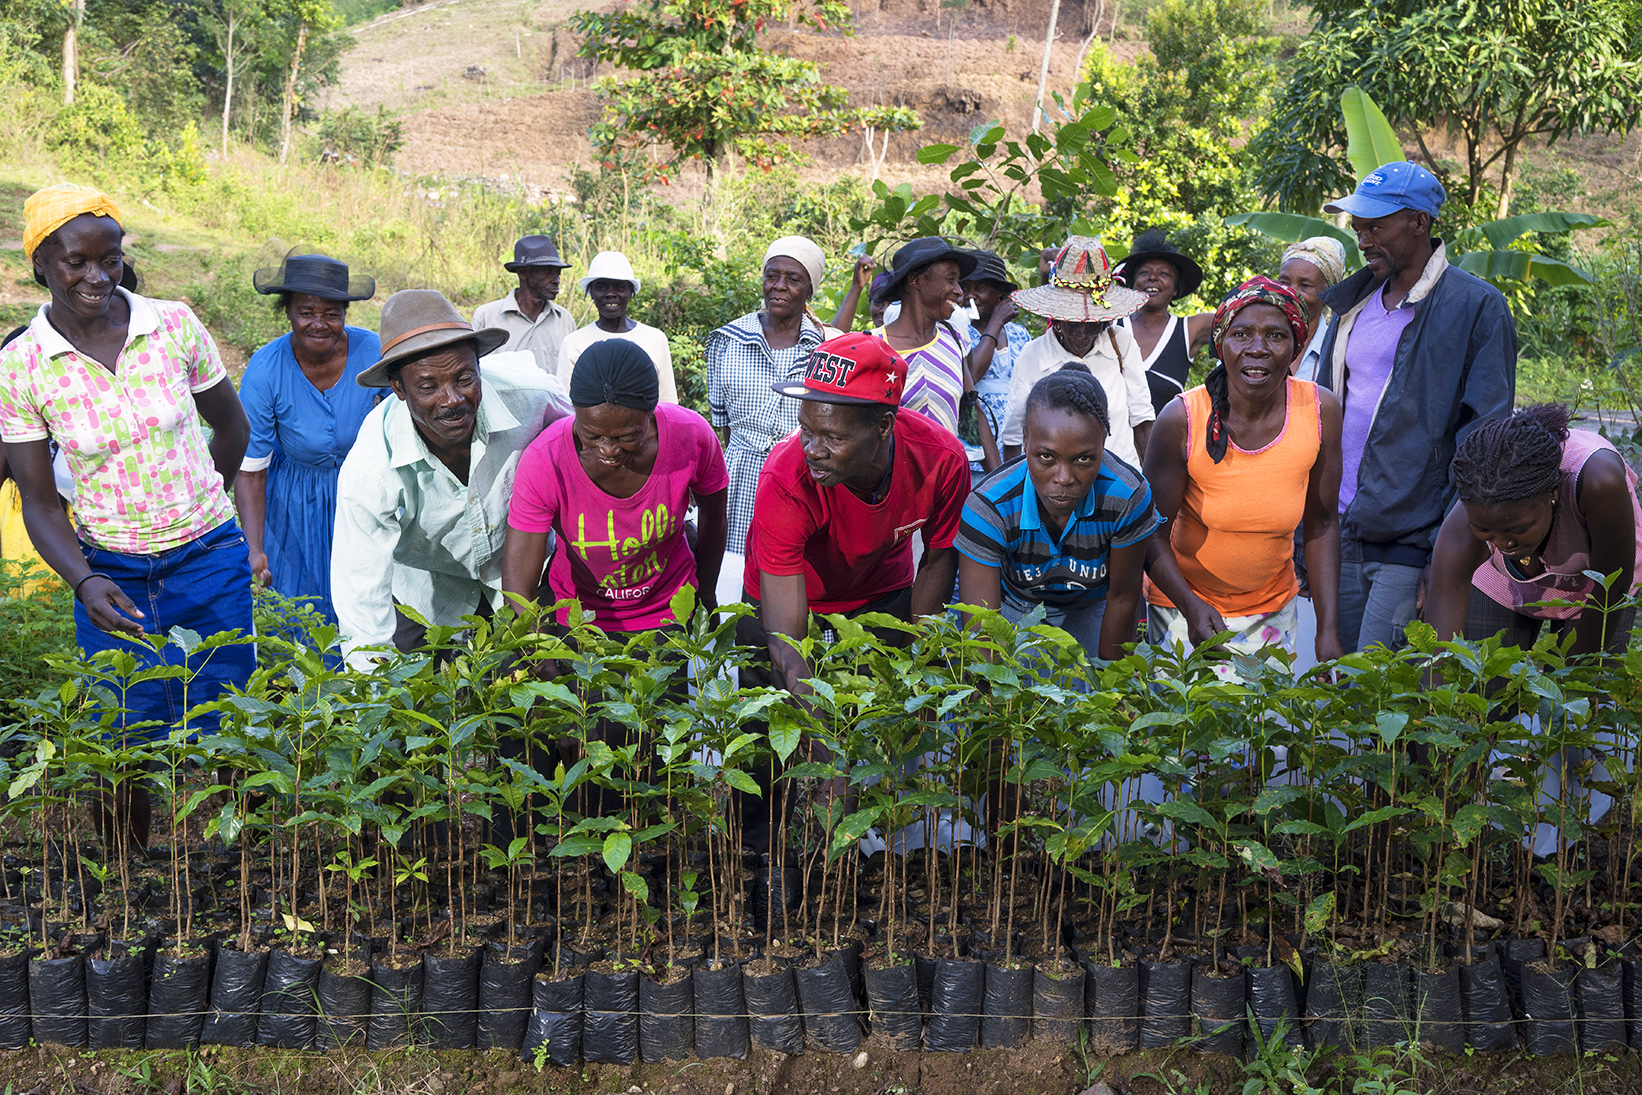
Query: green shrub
pixel 36 623
pixel 354 137
pixel 97 133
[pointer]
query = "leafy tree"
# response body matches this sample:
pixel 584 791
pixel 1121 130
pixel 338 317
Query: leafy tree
pixel 1492 73
pixel 705 88
pixel 1212 65
pixel 1494 250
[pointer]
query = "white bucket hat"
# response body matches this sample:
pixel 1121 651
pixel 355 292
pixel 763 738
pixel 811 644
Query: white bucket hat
pixel 609 266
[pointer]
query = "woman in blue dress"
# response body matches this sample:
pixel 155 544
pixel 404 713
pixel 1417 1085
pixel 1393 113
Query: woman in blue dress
pixel 305 412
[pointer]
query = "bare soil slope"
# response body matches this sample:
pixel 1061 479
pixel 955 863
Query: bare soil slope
pixel 493 87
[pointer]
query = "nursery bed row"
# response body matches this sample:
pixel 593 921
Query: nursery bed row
pixel 491 996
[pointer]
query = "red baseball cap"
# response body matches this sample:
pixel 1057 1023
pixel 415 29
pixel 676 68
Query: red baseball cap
pixel 857 368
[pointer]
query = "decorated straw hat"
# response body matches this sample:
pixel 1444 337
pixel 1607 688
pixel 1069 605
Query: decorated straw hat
pixel 1080 289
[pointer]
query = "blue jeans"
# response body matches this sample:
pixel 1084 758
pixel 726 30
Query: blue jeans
pixel 1082 622
pixel 1376 599
pixel 204 586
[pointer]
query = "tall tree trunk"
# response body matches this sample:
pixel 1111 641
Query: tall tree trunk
pixel 228 92
pixel 1507 180
pixel 71 50
pixel 290 91
pixel 1043 72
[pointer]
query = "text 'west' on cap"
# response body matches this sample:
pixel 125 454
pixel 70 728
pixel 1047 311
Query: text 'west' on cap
pixel 855 368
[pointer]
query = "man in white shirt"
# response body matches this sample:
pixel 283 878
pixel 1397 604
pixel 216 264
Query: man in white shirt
pixel 611 285
pixel 422 501
pixel 528 314
pixel 1080 301
pixel 1113 358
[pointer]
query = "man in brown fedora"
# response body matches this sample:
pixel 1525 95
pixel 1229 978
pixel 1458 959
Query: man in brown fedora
pixel 528 314
pixel 421 508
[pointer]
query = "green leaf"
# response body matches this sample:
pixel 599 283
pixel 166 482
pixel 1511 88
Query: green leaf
pixel 1520 266
pixel 1371 142
pixel 740 780
pixel 1503 233
pixel 1292 227
pixel 1391 724
pixel 785 734
pixel 1374 817
pixel 636 886
pixel 1257 855
pixel 936 153
pixel 1274 797
pixel 1469 821
pixel 617 847
pixel 1319 912
pixel 1184 809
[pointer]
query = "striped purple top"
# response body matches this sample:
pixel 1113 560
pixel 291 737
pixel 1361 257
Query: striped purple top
pixel 935 377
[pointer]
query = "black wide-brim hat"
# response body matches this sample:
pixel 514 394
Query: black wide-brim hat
pixel 534 251
pixel 317 275
pixel 1153 244
pixel 990 267
pixel 916 255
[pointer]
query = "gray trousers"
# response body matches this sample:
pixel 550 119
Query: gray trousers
pixel 1376 599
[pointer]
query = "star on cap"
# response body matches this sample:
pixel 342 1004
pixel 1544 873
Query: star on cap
pixel 889 377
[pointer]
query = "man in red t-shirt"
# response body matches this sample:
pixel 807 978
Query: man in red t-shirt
pixel 840 502
pixel 838 506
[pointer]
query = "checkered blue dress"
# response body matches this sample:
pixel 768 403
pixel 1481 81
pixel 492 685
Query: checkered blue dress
pixel 740 369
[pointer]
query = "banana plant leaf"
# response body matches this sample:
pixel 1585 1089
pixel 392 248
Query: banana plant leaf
pixel 1503 233
pixel 1370 139
pixel 1292 227
pixel 1500 265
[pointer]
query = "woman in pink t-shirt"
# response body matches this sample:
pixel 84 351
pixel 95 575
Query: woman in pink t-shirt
pixel 1540 508
pixel 613 485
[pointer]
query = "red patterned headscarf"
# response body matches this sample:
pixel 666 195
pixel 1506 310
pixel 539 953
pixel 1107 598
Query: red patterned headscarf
pixel 1262 290
pixel 1257 290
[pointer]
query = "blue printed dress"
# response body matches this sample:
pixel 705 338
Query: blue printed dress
pixel 301 435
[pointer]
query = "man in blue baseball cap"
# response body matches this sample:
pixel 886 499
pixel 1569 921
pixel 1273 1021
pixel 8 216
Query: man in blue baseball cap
pixel 1421 354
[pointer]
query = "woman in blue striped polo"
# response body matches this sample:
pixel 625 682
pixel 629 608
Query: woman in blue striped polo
pixel 1064 525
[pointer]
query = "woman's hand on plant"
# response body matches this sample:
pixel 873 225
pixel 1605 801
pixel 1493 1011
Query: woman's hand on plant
pixel 108 606
pixel 1328 645
pixel 260 574
pixel 1202 622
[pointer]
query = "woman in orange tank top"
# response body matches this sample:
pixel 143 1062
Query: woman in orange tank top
pixel 1235 466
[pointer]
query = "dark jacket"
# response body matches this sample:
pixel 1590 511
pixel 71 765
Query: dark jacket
pixel 1455 368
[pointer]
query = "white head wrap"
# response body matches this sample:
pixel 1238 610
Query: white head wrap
pixel 1324 252
pixel 803 251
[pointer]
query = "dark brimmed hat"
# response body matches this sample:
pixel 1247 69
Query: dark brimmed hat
pixel 1153 244
pixel 417 322
pixel 915 256
pixel 859 369
pixel 317 275
pixel 989 267
pixel 534 251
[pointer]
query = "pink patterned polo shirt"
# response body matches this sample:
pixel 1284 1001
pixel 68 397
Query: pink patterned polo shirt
pixel 144 481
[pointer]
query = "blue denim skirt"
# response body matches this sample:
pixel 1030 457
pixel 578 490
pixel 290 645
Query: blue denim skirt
pixel 204 586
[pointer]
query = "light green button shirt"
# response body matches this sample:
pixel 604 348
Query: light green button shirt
pixel 408 530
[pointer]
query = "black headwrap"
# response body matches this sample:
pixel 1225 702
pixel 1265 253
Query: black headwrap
pixel 615 370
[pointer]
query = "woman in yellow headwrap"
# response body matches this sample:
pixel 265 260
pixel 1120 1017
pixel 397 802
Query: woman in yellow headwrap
pixel 125 385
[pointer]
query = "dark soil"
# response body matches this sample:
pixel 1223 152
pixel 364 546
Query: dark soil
pixel 1026 1071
